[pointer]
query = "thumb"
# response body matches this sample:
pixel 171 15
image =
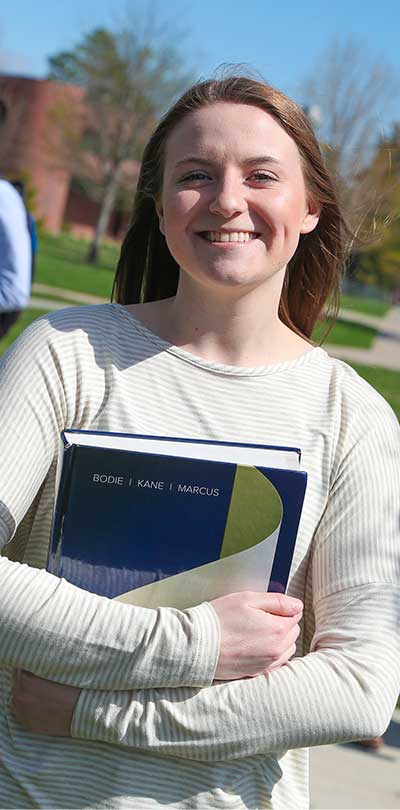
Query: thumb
pixel 277 603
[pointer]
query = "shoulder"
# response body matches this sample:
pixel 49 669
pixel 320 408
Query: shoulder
pixel 336 393
pixel 63 358
pixel 365 426
pixel 7 191
pixel 356 397
pixel 12 209
pixel 66 332
pixel 70 320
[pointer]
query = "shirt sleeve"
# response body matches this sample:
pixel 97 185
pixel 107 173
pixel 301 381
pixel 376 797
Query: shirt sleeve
pixel 346 686
pixel 48 626
pixel 15 253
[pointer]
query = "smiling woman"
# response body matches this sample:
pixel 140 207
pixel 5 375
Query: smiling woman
pixel 236 243
pixel 237 222
pixel 224 138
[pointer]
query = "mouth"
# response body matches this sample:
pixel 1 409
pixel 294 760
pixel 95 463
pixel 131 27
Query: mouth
pixel 228 237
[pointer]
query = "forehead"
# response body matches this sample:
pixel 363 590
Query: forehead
pixel 226 130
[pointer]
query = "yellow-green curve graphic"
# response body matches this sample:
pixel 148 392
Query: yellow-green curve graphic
pixel 255 511
pixel 247 552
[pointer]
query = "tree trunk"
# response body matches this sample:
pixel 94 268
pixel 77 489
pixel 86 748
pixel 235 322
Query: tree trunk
pixel 106 208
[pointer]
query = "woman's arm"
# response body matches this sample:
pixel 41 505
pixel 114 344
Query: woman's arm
pixel 345 688
pixel 325 697
pixel 56 630
pixel 47 625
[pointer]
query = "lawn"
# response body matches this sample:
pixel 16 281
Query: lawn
pixel 347 333
pixel 368 306
pixel 62 263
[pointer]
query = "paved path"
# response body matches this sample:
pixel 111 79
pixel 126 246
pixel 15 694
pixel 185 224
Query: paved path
pixel 385 351
pixel 59 292
pixel 348 777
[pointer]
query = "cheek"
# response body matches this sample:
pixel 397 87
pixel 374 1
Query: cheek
pixel 289 213
pixel 180 209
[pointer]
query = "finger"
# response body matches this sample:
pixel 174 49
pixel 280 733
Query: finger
pixel 292 635
pixel 277 603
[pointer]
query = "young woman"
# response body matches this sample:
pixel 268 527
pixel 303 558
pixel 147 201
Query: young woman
pixel 236 243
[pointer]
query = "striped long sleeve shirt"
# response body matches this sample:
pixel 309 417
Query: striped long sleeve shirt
pixel 150 728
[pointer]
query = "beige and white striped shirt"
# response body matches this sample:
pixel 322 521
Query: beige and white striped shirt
pixel 150 729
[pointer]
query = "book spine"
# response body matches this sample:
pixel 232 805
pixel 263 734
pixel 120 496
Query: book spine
pixel 62 501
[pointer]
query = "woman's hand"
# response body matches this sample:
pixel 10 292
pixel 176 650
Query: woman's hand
pixel 258 632
pixel 43 706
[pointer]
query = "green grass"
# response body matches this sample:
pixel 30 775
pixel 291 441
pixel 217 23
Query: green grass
pixel 347 333
pixel 65 246
pixel 26 318
pixel 368 306
pixel 62 263
pixel 385 381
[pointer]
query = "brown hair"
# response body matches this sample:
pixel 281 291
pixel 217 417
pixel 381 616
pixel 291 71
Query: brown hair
pixel 146 269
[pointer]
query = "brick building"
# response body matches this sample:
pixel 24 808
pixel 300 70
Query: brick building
pixel 32 147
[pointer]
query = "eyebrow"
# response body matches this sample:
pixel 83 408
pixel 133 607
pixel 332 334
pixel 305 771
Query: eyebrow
pixel 247 161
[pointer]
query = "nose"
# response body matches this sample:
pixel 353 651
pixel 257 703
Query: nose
pixel 229 198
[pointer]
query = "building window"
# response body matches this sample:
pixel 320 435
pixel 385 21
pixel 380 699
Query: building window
pixel 3 112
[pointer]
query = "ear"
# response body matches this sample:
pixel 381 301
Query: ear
pixel 160 214
pixel 311 217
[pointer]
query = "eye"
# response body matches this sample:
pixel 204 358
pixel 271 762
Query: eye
pixel 262 177
pixel 193 176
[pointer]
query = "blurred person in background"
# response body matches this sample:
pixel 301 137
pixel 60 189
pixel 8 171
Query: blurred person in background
pixel 19 186
pixel 15 257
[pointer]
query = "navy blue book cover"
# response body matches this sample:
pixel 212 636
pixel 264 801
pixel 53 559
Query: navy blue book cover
pixel 140 522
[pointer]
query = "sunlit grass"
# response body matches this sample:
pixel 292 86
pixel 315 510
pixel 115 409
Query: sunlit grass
pixel 347 333
pixel 367 306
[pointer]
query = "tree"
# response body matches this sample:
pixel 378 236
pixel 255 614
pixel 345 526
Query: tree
pixel 128 79
pixel 351 91
pixel 380 263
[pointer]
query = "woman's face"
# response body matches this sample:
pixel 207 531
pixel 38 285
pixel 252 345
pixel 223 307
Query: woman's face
pixel 233 202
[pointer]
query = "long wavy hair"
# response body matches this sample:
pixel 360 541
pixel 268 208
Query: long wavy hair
pixel 147 271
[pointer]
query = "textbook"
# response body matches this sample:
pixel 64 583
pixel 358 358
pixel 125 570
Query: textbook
pixel 156 521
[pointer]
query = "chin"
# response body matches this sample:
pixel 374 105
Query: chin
pixel 233 281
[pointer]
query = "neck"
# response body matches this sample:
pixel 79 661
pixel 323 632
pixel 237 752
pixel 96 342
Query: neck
pixel 233 328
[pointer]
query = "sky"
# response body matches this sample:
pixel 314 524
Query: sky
pixel 284 41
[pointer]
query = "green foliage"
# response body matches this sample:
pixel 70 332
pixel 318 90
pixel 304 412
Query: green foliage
pixel 128 78
pixel 380 266
pixel 127 81
pixel 380 263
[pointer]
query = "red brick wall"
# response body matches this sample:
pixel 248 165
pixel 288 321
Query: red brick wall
pixel 81 216
pixel 30 142
pixel 32 145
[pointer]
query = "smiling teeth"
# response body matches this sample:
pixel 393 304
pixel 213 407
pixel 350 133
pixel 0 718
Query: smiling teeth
pixel 224 236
